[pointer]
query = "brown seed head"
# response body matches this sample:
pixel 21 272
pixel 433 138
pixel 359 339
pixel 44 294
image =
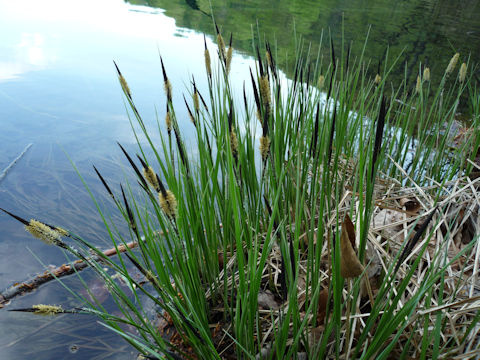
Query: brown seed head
pixel 264 146
pixel 221 46
pixel 168 121
pixel 234 143
pixel 196 103
pixel 208 65
pixel 151 177
pixel 43 232
pixel 265 90
pixel 269 59
pixel 259 117
pixel 168 203
pixel 228 60
pixel 168 89
pixel 452 63
pixel 124 85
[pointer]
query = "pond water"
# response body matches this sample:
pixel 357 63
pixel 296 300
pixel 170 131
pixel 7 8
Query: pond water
pixel 59 92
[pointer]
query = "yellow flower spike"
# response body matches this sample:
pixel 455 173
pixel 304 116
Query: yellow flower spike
pixel 234 143
pixel 452 63
pixel 426 74
pixel 41 309
pixel 43 232
pixel 228 60
pixel 378 79
pixel 62 231
pixel 221 46
pixel 151 177
pixel 124 85
pixel 208 65
pixel 462 74
pixel 168 121
pixel 264 146
pixel 418 87
pixel 168 89
pixel 196 103
pixel 168 203
pixel 265 90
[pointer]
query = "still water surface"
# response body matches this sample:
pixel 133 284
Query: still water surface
pixel 59 91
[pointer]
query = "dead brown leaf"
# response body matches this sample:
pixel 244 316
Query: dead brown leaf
pixel 322 306
pixel 350 266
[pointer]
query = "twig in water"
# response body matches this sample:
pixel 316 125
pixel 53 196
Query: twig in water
pixel 5 171
pixel 18 289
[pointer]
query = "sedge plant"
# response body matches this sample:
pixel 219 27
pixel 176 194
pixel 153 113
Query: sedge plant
pixel 275 198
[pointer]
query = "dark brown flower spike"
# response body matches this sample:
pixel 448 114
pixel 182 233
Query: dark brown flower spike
pixel 203 101
pixel 131 218
pixel 23 221
pixel 313 149
pixel 260 65
pixel 161 189
pixel 255 93
pixel 166 82
pixel 135 168
pixel 378 136
pixel 192 119
pixel 332 131
pixel 180 149
pixel 123 82
pixel 271 60
pixel 104 183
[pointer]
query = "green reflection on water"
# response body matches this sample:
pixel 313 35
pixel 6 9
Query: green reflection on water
pixel 428 31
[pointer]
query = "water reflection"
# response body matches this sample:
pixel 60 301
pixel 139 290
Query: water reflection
pixel 427 31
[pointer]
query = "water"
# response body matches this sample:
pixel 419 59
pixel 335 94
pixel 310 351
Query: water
pixel 59 91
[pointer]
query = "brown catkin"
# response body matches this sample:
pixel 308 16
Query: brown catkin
pixel 452 63
pixel 221 46
pixel 208 64
pixel 269 59
pixel 228 60
pixel 168 121
pixel 462 74
pixel 196 103
pixel 234 143
pixel 151 177
pixel 124 85
pixel 426 74
pixel 265 90
pixel 43 232
pixel 168 89
pixel 264 147
pixel 259 117
pixel 168 203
